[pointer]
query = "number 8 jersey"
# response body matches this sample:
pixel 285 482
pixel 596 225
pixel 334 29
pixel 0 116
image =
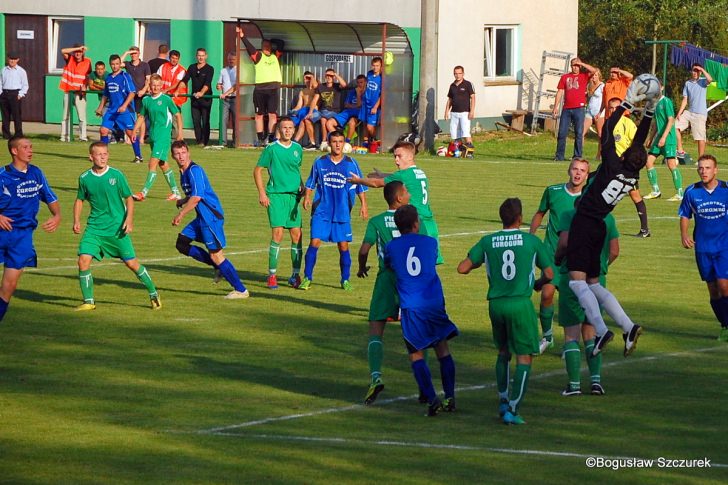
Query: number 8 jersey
pixel 510 257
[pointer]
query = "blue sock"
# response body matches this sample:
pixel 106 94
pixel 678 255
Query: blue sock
pixel 424 379
pixel 345 265
pixel 137 149
pixel 105 139
pixel 723 305
pixel 310 257
pixel 199 254
pixel 716 306
pixel 447 374
pixel 228 271
pixel 3 308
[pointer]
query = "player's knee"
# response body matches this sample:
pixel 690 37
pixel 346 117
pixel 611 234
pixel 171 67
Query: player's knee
pixel 183 244
pixel 104 131
pixel 578 286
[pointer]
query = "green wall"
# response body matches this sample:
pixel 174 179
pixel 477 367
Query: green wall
pixel 2 38
pixel 415 35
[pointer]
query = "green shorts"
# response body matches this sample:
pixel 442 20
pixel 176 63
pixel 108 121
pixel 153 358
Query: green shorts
pixel 385 300
pixel 668 151
pixel 428 227
pixel 160 147
pixel 284 210
pixel 100 247
pixel 570 311
pixel 515 325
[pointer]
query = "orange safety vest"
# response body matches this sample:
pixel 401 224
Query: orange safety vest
pixel 169 77
pixel 75 74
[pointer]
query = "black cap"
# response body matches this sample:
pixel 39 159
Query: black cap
pixel 13 55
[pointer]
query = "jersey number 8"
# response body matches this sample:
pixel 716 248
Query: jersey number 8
pixel 508 270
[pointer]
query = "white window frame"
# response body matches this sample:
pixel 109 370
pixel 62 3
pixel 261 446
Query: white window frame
pixel 489 54
pixel 53 46
pixel 140 27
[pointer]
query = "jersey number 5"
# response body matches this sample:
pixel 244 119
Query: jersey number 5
pixel 424 192
pixel 414 266
pixel 614 192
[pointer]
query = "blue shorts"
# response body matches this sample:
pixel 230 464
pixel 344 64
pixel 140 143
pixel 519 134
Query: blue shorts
pixel 16 249
pixel 299 115
pixel 712 266
pixel 329 231
pixel 423 328
pixel 371 119
pixel 121 121
pixel 326 114
pixel 209 234
pixel 346 115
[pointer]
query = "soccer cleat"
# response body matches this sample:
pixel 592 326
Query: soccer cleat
pixel 422 398
pixel 448 405
pixel 723 335
pixel 237 295
pixel 374 389
pixel 174 197
pixel 139 196
pixel 272 282
pixel 601 341
pixel 630 339
pixel 137 160
pixel 346 286
pixel 502 407
pixel 653 195
pixel 675 198
pixel 545 344
pixel 155 302
pixel 305 284
pixel 643 233
pixel 510 418
pixel 84 307
pixel 310 147
pixel 434 408
pixel 570 391
pixel 217 276
pixel 294 281
pixel 597 389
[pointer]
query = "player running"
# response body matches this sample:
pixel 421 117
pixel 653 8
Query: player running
pixel 207 227
pixel 160 109
pixel 509 256
pixel 108 226
pixel 281 197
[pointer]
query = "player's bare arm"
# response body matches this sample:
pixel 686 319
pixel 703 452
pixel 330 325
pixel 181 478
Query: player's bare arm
pixel 262 195
pixel 6 223
pixel 307 199
pixel 547 274
pixel 687 241
pixel 364 211
pixel 466 266
pixel 77 208
pixel 363 271
pixel 536 221
pixel 129 220
pixel 55 219
pixel 187 208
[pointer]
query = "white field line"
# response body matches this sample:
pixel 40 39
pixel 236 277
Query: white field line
pixel 253 251
pixel 354 407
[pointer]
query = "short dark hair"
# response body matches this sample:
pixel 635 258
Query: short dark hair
pixel 114 57
pixel 336 134
pixel 377 59
pixel 708 156
pixel 163 48
pixel 392 190
pixel 361 76
pixel 458 67
pixel 96 144
pixel 307 73
pixel 99 63
pixel 14 141
pixel 696 64
pixel 405 218
pixel 201 49
pixel 179 144
pixel 509 211
pixel 407 145
pixel 174 53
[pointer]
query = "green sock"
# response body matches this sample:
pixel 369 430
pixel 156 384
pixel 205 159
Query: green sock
pixel 572 361
pixel 677 181
pixel 144 277
pixel 546 316
pixel 87 285
pixel 296 257
pixel 375 355
pixel 169 176
pixel 151 177
pixel 652 177
pixel 520 383
pixel 501 374
pixel 273 251
pixel 594 363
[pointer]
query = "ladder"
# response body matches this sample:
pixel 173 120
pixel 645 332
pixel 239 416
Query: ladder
pixel 548 68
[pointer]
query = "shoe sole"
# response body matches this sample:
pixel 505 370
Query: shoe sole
pixel 372 396
pixel 571 393
pixel 628 352
pixel 599 392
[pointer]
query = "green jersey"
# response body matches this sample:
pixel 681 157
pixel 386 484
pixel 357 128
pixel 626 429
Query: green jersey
pixel 612 233
pixel 284 167
pixel 663 111
pixel 556 200
pixel 380 230
pixel 106 193
pixel 417 185
pixel 159 111
pixel 509 256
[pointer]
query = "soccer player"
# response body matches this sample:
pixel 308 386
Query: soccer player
pixel 665 144
pixel 412 257
pixel 509 256
pixel 556 200
pixel 707 200
pixel 119 93
pixel 207 227
pixel 160 109
pixel 571 314
pixel 372 100
pixel 24 187
pixel 415 179
pixel 331 218
pixel 109 224
pixel 615 177
pixel 385 302
pixel 281 197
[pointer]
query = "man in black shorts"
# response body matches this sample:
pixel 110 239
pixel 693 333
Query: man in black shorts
pixel 614 178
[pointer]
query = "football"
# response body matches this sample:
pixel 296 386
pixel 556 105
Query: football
pixel 325 147
pixel 643 87
pixel 442 151
pixel 347 148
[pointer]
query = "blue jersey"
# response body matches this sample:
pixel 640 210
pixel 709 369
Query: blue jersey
pixel 711 216
pixel 196 184
pixel 373 91
pixel 413 257
pixel 117 89
pixel 21 195
pixel 335 197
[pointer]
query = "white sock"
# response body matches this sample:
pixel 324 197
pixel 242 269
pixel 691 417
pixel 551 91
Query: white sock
pixel 589 303
pixel 612 307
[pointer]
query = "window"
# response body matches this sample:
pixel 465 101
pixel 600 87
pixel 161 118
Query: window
pixel 150 34
pixel 64 32
pixel 499 52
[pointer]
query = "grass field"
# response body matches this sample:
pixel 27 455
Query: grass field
pixel 269 389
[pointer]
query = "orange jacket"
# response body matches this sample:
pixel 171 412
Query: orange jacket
pixel 75 74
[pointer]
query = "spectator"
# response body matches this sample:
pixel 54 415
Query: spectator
pixel 305 114
pixel 201 75
pixel 97 79
pixel 227 84
pixel 572 89
pixel 172 74
pixel 460 107
pixel 329 98
pixel 13 88
pixel 372 99
pixel 162 55
pixel 615 87
pixel 74 78
pixel 696 115
pixel 594 110
pixel 140 73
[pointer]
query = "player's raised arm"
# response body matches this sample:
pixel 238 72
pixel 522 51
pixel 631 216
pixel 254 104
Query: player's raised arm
pixel 367 181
